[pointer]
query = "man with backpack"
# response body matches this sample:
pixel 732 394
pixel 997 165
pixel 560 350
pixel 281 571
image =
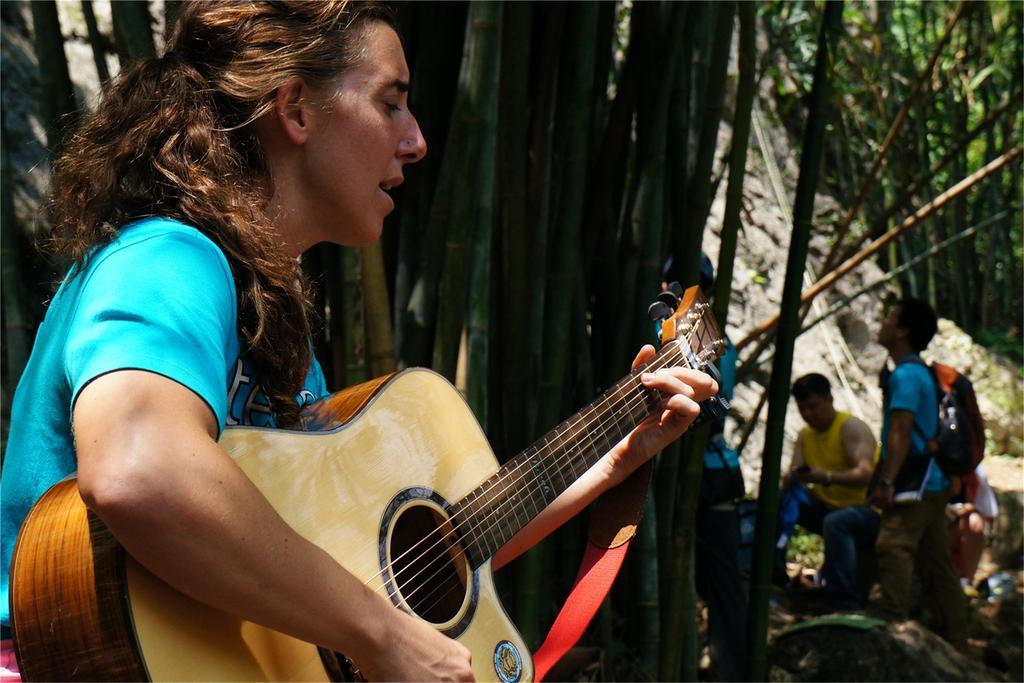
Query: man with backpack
pixel 909 486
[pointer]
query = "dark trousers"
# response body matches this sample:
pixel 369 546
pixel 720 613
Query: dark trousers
pixel 849 534
pixel 719 584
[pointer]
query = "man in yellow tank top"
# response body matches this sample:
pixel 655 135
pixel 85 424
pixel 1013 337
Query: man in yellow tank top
pixel 833 459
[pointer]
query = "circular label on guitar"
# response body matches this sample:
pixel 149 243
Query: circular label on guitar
pixel 507 662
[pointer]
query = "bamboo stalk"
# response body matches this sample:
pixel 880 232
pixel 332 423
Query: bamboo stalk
pixel 514 232
pixel 692 205
pixel 477 85
pixel 17 336
pixel 96 41
pixel 574 124
pixel 480 279
pixel 803 209
pixel 533 574
pixel 133 29
pixel 425 203
pixel 353 316
pixel 380 346
pixel 56 92
pixel 737 160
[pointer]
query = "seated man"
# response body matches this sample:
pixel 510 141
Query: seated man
pixel 972 510
pixel 834 456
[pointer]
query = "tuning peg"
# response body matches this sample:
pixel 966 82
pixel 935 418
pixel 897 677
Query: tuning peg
pixel 659 310
pixel 670 300
pixel 676 289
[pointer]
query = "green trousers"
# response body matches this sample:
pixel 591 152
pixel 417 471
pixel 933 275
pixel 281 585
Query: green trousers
pixel 914 538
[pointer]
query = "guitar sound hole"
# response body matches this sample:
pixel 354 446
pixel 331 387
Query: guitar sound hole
pixel 428 564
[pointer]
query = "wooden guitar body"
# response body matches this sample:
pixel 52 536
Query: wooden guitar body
pixel 382 477
pixel 393 478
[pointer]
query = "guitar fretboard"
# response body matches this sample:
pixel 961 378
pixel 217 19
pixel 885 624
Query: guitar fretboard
pixel 490 515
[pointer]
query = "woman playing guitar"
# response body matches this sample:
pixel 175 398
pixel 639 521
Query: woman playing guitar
pixel 185 202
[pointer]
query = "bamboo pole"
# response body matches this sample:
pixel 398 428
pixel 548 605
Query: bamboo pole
pixel 692 205
pixel 479 317
pixel 564 264
pixel 533 573
pixel 803 210
pixel 353 316
pixel 380 345
pixel 912 220
pixel 57 96
pixel 17 335
pixel 96 41
pixel 737 160
pixel 133 29
pixel 514 231
pixel 477 85
pixel 438 34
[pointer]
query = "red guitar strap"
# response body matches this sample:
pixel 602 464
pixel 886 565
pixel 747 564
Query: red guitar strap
pixel 612 526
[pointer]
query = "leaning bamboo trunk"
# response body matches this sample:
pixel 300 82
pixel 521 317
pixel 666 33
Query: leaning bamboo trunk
pixel 803 214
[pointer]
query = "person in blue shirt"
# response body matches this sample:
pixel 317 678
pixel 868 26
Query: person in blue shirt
pixel 717 574
pixel 184 202
pixel 910 488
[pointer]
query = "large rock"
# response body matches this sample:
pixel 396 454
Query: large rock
pixel 895 652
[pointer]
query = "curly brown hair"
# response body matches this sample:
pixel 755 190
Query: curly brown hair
pixel 173 137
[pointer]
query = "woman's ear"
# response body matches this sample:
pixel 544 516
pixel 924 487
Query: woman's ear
pixel 291 114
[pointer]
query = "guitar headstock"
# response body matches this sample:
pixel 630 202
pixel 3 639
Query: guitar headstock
pixel 692 322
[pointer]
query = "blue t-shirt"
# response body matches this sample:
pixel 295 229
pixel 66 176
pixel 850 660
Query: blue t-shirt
pixel 718 455
pixel 159 298
pixel 912 388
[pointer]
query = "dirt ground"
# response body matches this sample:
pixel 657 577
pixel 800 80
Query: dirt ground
pixel 1005 474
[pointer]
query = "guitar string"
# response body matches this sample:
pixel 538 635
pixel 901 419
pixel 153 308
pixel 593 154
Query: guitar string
pixel 632 400
pixel 506 480
pixel 508 501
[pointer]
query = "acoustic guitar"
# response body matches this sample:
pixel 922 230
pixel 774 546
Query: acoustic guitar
pixel 394 478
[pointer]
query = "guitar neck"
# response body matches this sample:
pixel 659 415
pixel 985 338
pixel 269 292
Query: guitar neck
pixel 500 507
